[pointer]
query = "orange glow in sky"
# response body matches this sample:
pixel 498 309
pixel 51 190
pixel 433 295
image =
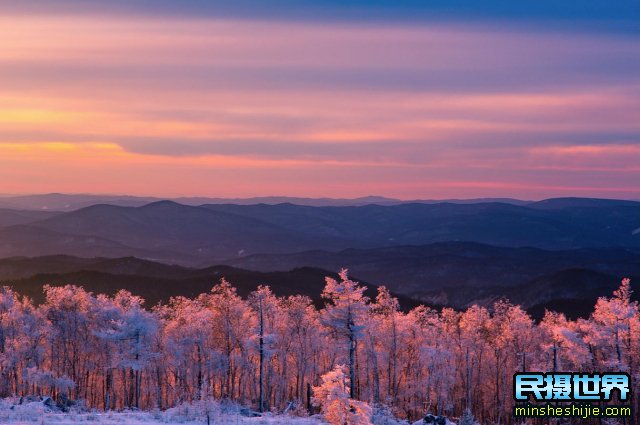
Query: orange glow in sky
pixel 213 106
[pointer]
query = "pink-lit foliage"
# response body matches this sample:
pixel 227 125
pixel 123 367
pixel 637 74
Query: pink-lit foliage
pixel 114 353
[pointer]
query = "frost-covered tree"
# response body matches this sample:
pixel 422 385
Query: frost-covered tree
pixel 113 352
pixel 134 335
pixel 345 315
pixel 301 324
pixel 232 328
pixel 337 407
pixel 613 322
pixel 467 418
pixel 22 345
pixel 475 351
pixel 390 329
pixel 71 314
pixel 265 307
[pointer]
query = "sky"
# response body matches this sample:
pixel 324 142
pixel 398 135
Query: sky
pixel 408 99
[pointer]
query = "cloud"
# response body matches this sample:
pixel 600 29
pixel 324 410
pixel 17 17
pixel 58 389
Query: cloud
pixel 573 15
pixel 197 54
pixel 287 104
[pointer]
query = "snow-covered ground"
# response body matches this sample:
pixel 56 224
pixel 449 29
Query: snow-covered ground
pixel 12 412
pixel 37 413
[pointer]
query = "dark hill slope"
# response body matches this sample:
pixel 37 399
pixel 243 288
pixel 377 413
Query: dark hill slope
pixel 11 217
pixel 413 270
pixel 29 240
pixel 154 287
pixel 22 267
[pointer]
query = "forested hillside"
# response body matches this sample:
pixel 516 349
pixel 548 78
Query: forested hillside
pixel 267 351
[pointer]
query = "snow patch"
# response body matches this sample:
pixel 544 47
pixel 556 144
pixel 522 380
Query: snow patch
pixel 12 413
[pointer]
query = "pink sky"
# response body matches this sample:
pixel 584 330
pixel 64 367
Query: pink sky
pixel 181 106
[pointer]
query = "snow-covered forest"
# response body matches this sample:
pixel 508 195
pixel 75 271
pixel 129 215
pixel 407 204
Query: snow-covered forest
pixel 344 359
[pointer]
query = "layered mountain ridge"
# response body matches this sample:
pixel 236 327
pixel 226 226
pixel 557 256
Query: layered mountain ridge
pixel 452 253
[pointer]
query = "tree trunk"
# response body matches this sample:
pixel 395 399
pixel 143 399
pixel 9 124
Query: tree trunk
pixel 261 358
pixel 352 354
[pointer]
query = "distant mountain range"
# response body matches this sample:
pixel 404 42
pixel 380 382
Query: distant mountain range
pixel 208 234
pixel 71 202
pixel 453 253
